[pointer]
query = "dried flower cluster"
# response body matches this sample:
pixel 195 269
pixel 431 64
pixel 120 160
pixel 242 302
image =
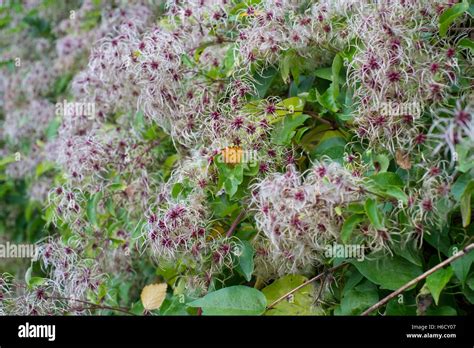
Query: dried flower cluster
pixel 299 215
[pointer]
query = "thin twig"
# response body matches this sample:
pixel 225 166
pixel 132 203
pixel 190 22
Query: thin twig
pixel 325 273
pixel 321 286
pixel 235 223
pixel 319 118
pixel 412 282
pixel 96 306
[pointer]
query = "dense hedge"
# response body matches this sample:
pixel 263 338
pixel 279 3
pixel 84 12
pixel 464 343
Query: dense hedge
pixel 208 157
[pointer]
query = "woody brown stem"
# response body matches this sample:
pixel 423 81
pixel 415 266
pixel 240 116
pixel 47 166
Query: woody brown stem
pixel 412 282
pixel 235 223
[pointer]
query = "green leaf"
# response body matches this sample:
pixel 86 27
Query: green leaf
pixel 229 60
pixel 314 136
pixel 137 308
pixel 399 308
pixel 285 67
pixel 187 61
pixel 386 179
pixel 286 129
pixel 328 99
pixel 470 283
pixel 28 274
pixel 299 134
pixel 459 186
pixel 302 87
pixel 264 80
pixel 176 190
pixel 331 73
pixel 388 272
pixel 295 72
pixel 29 209
pixel 234 300
pixel 408 251
pixel 467 43
pixel 232 183
pixel 117 186
pixel 293 106
pixel 102 292
pixel 349 226
pixel 61 83
pixel 5 21
pixel 356 208
pixel 245 253
pixel 39 27
pixel 251 168
pixel 168 270
pixel 7 160
pixel 462 266
pixel 347 107
pixel 53 126
pixel 388 184
pixel 222 206
pixel 373 213
pixel 335 69
pixel 439 238
pixel 49 215
pixel 332 144
pixel 465 155
pixel 169 163
pixel 36 281
pixel 382 161
pixel 92 18
pixel 450 15
pixel 466 204
pixel 92 208
pixel 324 73
pixel 353 277
pixel 437 281
pixel 359 298
pixel 396 192
pixel 444 310
pixel 174 306
pixel 44 167
pixel 299 303
pixel 230 176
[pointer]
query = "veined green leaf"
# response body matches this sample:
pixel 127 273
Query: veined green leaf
pixel 466 204
pixel 286 129
pixel 92 207
pixel 349 226
pixel 299 303
pixel 233 300
pixel 389 272
pixel 244 253
pixel 450 15
pixel 437 281
pixel 373 213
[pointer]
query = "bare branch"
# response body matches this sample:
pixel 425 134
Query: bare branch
pixel 412 282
